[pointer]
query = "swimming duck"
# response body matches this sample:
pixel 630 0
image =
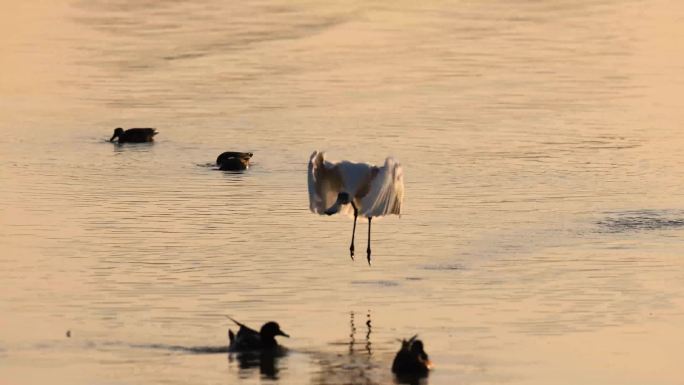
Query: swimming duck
pixel 233 161
pixel 248 339
pixel 134 135
pixel 411 359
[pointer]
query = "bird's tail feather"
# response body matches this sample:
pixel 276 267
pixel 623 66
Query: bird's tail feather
pixel 236 322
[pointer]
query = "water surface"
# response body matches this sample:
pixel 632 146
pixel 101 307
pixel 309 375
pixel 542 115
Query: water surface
pixel 541 145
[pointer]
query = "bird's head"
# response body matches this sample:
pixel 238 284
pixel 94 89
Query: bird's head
pixel 117 133
pixel 272 329
pixel 418 351
pixel 343 198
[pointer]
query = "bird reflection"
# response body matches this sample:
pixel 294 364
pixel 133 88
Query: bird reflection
pixel 355 367
pixel 266 361
pixel 368 333
pixel 352 334
pixel 352 327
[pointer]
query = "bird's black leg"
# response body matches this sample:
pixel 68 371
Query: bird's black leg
pixel 368 251
pixel 351 248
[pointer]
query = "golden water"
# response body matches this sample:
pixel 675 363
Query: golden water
pixel 542 147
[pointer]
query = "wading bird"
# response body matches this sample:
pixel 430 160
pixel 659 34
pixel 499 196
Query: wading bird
pixel 356 189
pixel 233 161
pixel 134 135
pixel 248 339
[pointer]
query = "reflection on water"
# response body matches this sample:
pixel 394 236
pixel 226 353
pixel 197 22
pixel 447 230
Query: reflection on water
pixel 357 366
pixel 266 361
pixel 352 334
pixel 410 380
pixel 368 333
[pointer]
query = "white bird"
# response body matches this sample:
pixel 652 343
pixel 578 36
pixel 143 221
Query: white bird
pixel 355 188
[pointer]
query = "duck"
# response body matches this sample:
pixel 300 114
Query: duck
pixel 248 339
pixel 134 135
pixel 233 161
pixel 411 359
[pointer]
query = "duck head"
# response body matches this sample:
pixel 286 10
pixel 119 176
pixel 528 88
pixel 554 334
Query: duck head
pixel 117 133
pixel 272 329
pixel 418 351
pixel 268 333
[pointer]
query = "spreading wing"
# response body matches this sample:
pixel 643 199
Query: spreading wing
pixel 324 184
pixel 386 191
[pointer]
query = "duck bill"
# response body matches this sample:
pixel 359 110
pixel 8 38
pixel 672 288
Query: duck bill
pixel 282 333
pixel 112 138
pixel 429 364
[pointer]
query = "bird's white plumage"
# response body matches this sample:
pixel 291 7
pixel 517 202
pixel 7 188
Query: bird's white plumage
pixel 323 187
pixel 386 191
pixel 376 191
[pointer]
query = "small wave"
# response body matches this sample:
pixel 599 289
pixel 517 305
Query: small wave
pixel 186 349
pixel 192 55
pixel 644 220
pixel 379 282
pixel 446 266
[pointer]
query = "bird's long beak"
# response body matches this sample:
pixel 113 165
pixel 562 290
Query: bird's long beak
pixel 333 209
pixel 341 200
pixel 282 333
pixel 113 136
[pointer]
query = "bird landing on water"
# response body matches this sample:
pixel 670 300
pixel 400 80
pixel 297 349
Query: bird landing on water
pixel 355 189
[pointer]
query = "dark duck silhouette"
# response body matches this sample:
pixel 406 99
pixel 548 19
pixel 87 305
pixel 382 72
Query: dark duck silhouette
pixel 233 161
pixel 411 360
pixel 248 339
pixel 134 135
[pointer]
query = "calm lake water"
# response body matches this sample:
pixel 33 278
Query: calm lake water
pixel 542 149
